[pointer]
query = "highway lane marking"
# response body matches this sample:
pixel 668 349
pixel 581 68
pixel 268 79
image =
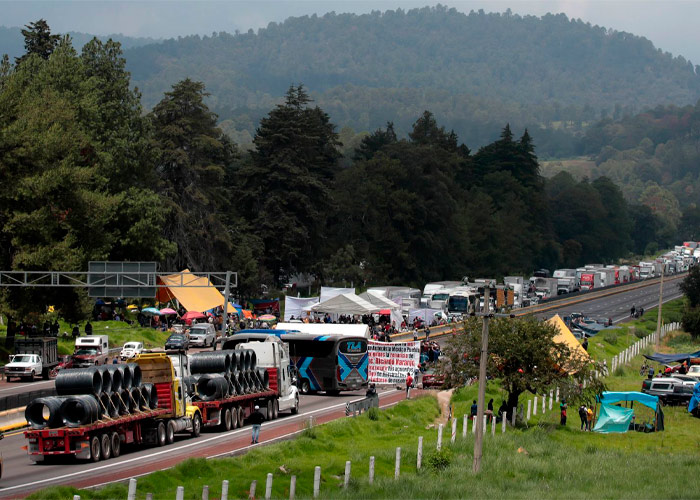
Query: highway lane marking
pixel 22 386
pixel 171 450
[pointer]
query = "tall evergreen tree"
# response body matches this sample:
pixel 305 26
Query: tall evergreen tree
pixel 192 158
pixel 285 188
pixel 38 40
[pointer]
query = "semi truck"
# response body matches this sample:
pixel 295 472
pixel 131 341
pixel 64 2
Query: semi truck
pixel 590 280
pixel 177 410
pixel 33 356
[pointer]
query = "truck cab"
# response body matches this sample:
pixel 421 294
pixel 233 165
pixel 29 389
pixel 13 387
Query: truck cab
pixel 24 366
pixel 91 350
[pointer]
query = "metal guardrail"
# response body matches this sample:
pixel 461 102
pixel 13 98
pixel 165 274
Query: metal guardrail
pixel 23 398
pixel 360 405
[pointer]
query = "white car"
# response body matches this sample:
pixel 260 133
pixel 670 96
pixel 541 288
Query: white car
pixel 131 350
pixel 202 334
pixel 694 371
pixel 23 366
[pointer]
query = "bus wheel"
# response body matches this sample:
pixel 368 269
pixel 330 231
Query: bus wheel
pixel 116 445
pixel 196 425
pixel 170 432
pixel 305 388
pixel 161 437
pixel 226 424
pixel 106 444
pixel 95 449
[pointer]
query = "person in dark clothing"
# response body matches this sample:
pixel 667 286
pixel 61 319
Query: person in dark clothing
pixel 47 328
pixel 88 328
pixel 473 409
pixel 256 418
pixel 562 408
pixel 371 391
pixel 489 410
pixel 502 410
pixel 76 332
pixel 582 413
pixel 55 328
pixel 585 343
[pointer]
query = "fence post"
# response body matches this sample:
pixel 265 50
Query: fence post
pixel 397 468
pixel 180 493
pixel 224 489
pixel 205 492
pixel 253 486
pixel 131 494
pixel 504 418
pixel 268 486
pixel 347 474
pixel 292 487
pixel 439 441
pixel 464 427
pixel 493 425
pixel 454 430
pixel 474 424
pixel 544 403
pixel 317 481
pixel 557 400
pixel 149 496
pixel 534 409
pixel 529 407
pixel 419 459
pixel 76 497
pixel 371 470
pixel 513 416
pixel 485 422
pixel 551 396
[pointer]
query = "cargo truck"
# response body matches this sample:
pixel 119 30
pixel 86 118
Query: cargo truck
pixel 33 356
pixel 590 280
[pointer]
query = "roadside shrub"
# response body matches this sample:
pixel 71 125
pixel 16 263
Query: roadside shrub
pixel 691 321
pixel 439 460
pixel 373 413
pixel 610 338
pixel 639 334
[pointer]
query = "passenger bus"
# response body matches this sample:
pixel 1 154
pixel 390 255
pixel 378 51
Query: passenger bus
pixel 327 363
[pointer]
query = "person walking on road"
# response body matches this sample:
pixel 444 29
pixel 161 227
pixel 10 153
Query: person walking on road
pixel 256 418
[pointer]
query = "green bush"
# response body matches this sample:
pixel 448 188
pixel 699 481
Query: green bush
pixel 439 460
pixel 691 321
pixel 610 338
pixel 373 413
pixel 639 334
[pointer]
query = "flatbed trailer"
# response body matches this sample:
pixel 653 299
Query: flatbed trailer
pixel 98 441
pixel 231 412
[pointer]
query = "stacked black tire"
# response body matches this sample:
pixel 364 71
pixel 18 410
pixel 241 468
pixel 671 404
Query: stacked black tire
pixel 222 374
pixel 86 395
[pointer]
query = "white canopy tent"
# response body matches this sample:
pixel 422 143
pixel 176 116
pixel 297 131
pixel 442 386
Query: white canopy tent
pixel 328 292
pixel 344 330
pixel 379 300
pixel 294 306
pixel 346 303
pixel 427 315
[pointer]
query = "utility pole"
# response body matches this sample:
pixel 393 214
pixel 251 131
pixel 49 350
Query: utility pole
pixel 226 294
pixel 661 296
pixel 483 358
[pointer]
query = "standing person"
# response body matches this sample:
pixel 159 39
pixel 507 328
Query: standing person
pixel 562 410
pixel 583 415
pixel 489 410
pixel 632 310
pixel 256 418
pixel 589 418
pixel 88 328
pixel 473 410
pixel 585 343
pixel 409 383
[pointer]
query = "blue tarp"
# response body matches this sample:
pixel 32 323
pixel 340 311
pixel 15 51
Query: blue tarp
pixel 613 419
pixel 695 400
pixel 616 397
pixel 671 358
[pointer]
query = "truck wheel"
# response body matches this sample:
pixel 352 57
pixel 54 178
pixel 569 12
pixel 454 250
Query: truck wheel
pixel 235 424
pixel 116 445
pixel 95 449
pixel 170 432
pixel 31 376
pixel 241 416
pixel 295 408
pixel 196 425
pixel 270 410
pixel 275 409
pixel 106 445
pixel 160 434
pixel 45 373
pixel 226 423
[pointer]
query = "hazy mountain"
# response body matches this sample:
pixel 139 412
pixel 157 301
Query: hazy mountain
pixel 12 41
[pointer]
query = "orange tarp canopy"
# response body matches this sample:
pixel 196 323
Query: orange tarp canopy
pixel 194 293
pixel 566 337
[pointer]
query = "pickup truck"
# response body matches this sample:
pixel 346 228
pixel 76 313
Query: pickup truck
pixel 91 350
pixel 33 356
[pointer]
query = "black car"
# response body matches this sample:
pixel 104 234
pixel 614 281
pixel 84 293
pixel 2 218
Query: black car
pixel 177 342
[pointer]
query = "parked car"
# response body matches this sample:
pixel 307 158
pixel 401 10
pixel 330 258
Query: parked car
pixel 694 371
pixel 202 334
pixel 670 390
pixel 131 350
pixel 432 379
pixel 177 342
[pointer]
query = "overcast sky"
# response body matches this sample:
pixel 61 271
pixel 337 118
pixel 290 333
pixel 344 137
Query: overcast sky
pixel 671 25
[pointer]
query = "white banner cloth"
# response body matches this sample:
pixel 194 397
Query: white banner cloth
pixel 392 362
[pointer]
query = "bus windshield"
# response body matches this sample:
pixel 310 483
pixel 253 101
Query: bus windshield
pixel 458 304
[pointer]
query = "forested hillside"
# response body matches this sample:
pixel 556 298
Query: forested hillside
pixel 474 72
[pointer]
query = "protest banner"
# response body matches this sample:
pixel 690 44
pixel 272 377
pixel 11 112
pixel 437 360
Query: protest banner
pixel 391 362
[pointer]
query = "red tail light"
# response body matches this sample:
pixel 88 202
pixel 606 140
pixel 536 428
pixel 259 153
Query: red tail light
pixel 337 373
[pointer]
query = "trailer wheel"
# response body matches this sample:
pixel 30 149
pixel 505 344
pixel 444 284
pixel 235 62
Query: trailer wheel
pixel 295 408
pixel 106 445
pixel 116 445
pixel 170 432
pixel 235 424
pixel 270 410
pixel 241 416
pixel 196 425
pixel 227 419
pixel 95 449
pixel 275 409
pixel 160 434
